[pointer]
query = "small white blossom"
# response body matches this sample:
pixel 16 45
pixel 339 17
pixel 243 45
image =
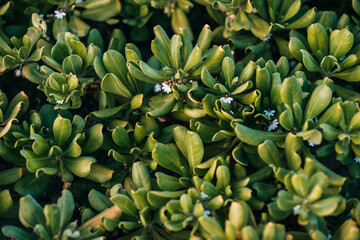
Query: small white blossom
pixel 269 113
pixel 203 195
pixel 357 159
pixel 254 10
pixel 75 234
pixel 231 17
pixel 267 38
pixel 227 99
pixel 157 88
pixel 273 125
pixel 59 14
pixel 206 213
pixel 166 88
pixel 59 101
pixel 18 73
pixel 296 207
pixel 312 144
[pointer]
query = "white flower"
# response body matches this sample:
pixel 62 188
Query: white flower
pixel 226 99
pixel 157 88
pixel 267 38
pixel 254 10
pixel 206 213
pixel 269 113
pixel 203 195
pixel 166 88
pixel 312 144
pixel 59 101
pixel 231 17
pixel 18 73
pixel 296 207
pixel 59 14
pixel 273 125
pixel 357 159
pixel 75 234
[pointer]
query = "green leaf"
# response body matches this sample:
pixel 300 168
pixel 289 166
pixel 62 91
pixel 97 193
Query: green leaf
pixel 17 233
pixel 6 202
pixel 141 176
pixel 66 205
pixel 291 92
pixel 195 149
pixel 10 176
pixel 72 64
pixel 53 218
pixel 125 204
pixel 79 166
pixel 255 137
pixel 341 41
pixel 112 84
pixel 318 102
pixel 99 201
pixel 318 38
pixel 269 153
pixel 62 130
pixel 30 184
pixel 30 212
pixel 167 157
pixel 94 139
pixel 121 137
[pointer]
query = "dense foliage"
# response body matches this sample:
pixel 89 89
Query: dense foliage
pixel 155 119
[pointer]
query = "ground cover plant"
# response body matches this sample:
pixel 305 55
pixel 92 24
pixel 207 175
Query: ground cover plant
pixel 155 119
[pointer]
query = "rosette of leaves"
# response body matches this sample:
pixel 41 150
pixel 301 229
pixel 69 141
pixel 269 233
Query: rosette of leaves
pixel 64 91
pixel 23 52
pixel 180 63
pixel 70 15
pixel 66 149
pixel 299 123
pixel 212 177
pixel 333 55
pixel 10 112
pixel 136 14
pixel 308 195
pixel 51 222
pixel 189 210
pixel 67 71
pixel 246 91
pixel 250 26
pixel 140 204
pixel 130 144
pixel 345 133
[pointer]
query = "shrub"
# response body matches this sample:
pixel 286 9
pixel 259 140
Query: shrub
pixel 179 119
